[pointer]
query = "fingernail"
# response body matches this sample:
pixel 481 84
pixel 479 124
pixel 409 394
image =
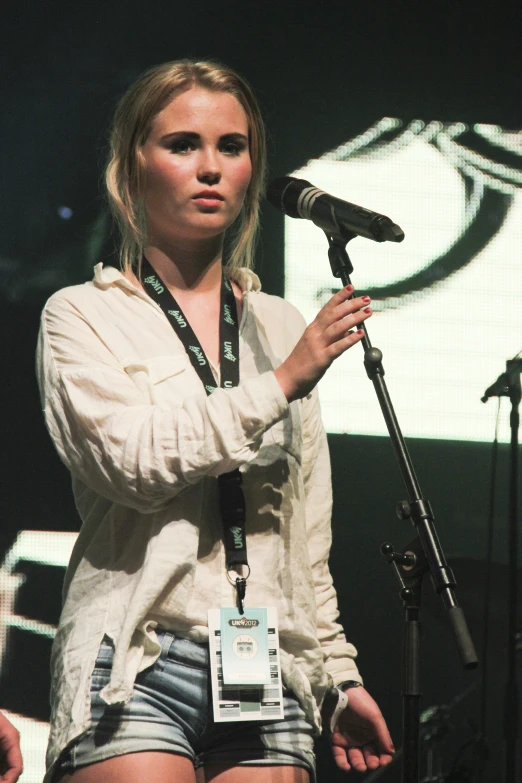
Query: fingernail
pixel 349 287
pixel 359 331
pixel 366 298
pixel 367 310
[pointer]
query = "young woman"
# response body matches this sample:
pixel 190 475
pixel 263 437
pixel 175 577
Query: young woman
pixel 137 379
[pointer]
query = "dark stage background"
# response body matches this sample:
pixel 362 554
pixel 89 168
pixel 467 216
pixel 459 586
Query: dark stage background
pixel 324 72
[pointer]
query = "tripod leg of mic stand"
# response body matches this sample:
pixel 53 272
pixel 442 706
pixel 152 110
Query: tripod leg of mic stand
pixel 412 568
pixel 411 695
pixel 511 710
pixel 511 730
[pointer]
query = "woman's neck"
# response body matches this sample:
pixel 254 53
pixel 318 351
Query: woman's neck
pixel 188 268
pixel 193 277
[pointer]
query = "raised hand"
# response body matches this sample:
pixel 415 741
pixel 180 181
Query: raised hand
pixel 329 335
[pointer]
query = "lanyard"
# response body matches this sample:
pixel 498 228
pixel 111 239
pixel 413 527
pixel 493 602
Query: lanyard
pixel 231 497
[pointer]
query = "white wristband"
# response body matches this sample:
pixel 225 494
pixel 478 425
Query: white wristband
pixel 336 714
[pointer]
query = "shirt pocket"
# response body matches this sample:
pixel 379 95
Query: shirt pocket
pixel 162 379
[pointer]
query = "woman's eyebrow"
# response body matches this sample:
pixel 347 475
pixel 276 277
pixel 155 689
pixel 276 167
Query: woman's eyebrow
pixel 180 134
pixel 192 136
pixel 233 137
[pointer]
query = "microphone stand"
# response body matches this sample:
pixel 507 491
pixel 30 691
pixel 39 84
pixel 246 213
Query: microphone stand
pixel 508 385
pixel 425 552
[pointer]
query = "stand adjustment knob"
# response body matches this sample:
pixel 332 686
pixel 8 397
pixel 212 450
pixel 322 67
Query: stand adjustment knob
pixel 404 559
pixel 408 595
pixel 373 356
pixel 373 363
pixel 403 509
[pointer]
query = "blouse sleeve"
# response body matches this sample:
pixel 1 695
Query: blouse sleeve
pixel 339 655
pixel 130 451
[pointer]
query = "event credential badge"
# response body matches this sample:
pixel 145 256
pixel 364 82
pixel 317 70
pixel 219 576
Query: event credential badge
pixel 244 660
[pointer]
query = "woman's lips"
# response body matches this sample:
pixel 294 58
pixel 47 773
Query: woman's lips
pixel 209 198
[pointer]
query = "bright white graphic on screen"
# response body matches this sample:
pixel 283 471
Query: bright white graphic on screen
pixel 447 300
pixel 32 558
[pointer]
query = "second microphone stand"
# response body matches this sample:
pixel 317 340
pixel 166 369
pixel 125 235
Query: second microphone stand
pixel 508 385
pixel 425 552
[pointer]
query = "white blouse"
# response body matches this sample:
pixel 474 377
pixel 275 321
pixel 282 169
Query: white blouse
pixel 132 422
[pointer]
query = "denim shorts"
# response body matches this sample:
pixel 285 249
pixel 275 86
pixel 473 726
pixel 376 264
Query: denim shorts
pixel 171 710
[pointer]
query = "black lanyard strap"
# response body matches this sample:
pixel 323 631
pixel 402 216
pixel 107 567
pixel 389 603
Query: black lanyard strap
pixel 231 496
pixel 233 515
pixel 228 330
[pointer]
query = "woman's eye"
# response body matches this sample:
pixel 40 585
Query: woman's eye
pixel 181 146
pixel 232 148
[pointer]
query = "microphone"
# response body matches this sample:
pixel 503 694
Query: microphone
pixel 498 389
pixel 298 198
pixel 508 383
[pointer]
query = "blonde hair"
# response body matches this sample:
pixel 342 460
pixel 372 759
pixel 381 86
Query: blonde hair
pixel 124 174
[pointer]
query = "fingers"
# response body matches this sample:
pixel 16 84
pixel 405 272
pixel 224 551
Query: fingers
pixel 365 758
pixel 336 326
pixel 13 774
pixel 10 755
pixel 341 304
pixel 337 320
pixel 362 735
pixel 360 759
pixel 382 736
pixel 373 758
pixel 346 325
pixel 340 758
pixel 12 762
pixel 341 296
pixel 356 759
pixel 340 346
pixel 333 331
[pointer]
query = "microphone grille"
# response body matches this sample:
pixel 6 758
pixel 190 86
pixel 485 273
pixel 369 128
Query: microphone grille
pixel 283 193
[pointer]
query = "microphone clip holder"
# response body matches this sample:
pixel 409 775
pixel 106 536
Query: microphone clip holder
pixel 337 255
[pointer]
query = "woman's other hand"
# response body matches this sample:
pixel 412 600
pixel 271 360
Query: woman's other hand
pixel 362 740
pixel 11 765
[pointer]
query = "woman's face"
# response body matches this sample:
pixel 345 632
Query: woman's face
pixel 197 166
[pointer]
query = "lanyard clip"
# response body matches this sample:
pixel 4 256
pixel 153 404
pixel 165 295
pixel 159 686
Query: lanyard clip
pixel 241 590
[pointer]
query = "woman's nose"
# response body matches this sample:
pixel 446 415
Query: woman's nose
pixel 209 168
